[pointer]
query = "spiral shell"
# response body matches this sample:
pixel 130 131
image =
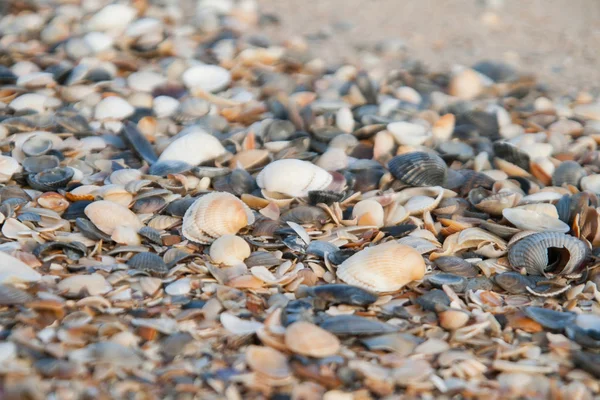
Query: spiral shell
pixel 419 169
pixel 214 215
pixel 293 177
pixel 549 254
pixel 383 268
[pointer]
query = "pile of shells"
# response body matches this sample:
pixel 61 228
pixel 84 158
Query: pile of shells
pixel 189 209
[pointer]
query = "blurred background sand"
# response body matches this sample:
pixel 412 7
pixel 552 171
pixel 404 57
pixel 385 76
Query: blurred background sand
pixel 558 40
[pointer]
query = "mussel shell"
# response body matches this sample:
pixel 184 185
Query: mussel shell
pixel 13 192
pixel 40 163
pixel 89 230
pixel 550 319
pixel 496 71
pixel 305 215
pixel 320 247
pixel 149 205
pixel 512 154
pixel 514 282
pixel 486 124
pixel 549 254
pixel 151 234
pixel 51 179
pixel 456 282
pixel 344 325
pixel 164 168
pixel 568 172
pixel 139 143
pixel 324 196
pixel 73 250
pixel 237 182
pixel 7 77
pixel 419 169
pixel 75 210
pixel 178 207
pixel 148 262
pixel 339 294
pixel 262 258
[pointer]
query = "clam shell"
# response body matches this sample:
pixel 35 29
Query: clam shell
pixel 107 216
pixel 419 169
pixel 268 361
pixel 369 213
pixel 13 270
pixel 194 149
pixel 10 295
pixel 148 262
pixel 214 215
pixel 210 78
pixel 549 254
pixel 534 221
pixel 113 107
pixel 307 339
pixel 383 268
pixel 8 167
pixel 293 177
pixel 409 134
pixel 51 179
pixel 229 250
pixel 568 172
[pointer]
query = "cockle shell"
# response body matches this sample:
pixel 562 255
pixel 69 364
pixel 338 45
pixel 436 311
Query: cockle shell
pixel 229 250
pixel 107 216
pixel 214 215
pixel 194 148
pixel 369 213
pixel 383 268
pixel 268 361
pixel 310 340
pixel 293 177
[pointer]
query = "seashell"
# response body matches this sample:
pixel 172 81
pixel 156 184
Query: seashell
pixel 324 196
pixel 534 221
pixel 180 287
pixel 453 319
pixel 369 213
pixel 51 179
pixel 165 106
pixel 344 325
pixel 229 250
pixel 113 17
pixel 383 268
pixel 139 143
pixel 40 163
pixel 124 176
pixel 147 205
pixel 493 203
pixel 113 107
pixel 419 169
pixel 36 145
pixel 308 339
pixel 126 235
pixel 333 160
pixel 550 319
pixel 293 177
pixel 32 101
pixel 145 81
pixel 214 215
pixel 590 183
pixel 268 362
pixel 512 154
pixel 549 254
pixel 568 172
pixel 209 78
pixel 338 294
pixel 8 167
pixel 409 134
pixel 84 285
pixel 10 295
pixel 150 263
pixel 13 270
pixel 107 216
pixel 194 148
pixel 455 282
pixel 73 250
pixel 466 85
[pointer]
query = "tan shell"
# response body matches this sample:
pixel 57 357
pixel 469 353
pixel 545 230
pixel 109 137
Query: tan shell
pixel 229 250
pixel 293 177
pixel 193 148
pixel 369 213
pixel 214 215
pixel 383 268
pixel 534 221
pixel 107 216
pixel 309 340
pixel 466 85
pixel 267 361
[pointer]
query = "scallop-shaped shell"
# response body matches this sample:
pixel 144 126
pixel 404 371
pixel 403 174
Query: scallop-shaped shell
pixel 310 340
pixel 409 134
pixel 293 177
pixel 549 254
pixel 193 149
pixel 229 250
pixel 534 221
pixel 383 268
pixel 369 213
pixel 419 169
pixel 107 216
pixel 210 78
pixel 569 172
pixel 214 215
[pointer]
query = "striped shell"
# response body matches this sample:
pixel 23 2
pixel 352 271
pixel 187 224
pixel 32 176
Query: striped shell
pixel 193 148
pixel 214 215
pixel 419 169
pixel 383 268
pixel 293 177
pixel 549 254
pixel 569 172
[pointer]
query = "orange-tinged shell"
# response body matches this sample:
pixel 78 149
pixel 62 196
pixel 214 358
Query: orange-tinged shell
pixel 107 216
pixel 267 361
pixel 309 340
pixel 229 250
pixel 383 268
pixel 214 215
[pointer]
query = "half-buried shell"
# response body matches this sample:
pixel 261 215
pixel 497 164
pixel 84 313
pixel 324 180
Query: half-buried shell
pixel 293 177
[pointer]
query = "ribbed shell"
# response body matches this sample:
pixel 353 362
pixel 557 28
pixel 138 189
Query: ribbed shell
pixel 512 154
pixel 531 253
pixel 383 268
pixel 419 169
pixel 569 172
pixel 214 215
pixel 229 250
pixel 193 149
pixel 293 177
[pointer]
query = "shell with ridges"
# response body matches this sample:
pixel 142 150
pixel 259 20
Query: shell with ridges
pixel 383 268
pixel 229 250
pixel 419 169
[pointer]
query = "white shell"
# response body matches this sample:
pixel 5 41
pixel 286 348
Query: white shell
pixel 229 250
pixel 333 159
pixel 98 41
pixel 113 107
pixel 36 80
pixel 210 78
pixel 13 270
pixel 143 26
pixel 8 166
pixel 293 177
pixel 534 221
pixel 180 287
pixel 193 148
pixel 591 183
pixel 214 215
pixel 113 17
pixel 164 106
pixel 94 284
pixel 34 101
pixel 107 216
pixel 145 81
pixel 409 134
pixel 126 235
pixel 124 176
pixel 369 213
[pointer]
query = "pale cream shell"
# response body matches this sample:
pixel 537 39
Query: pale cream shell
pixel 107 216
pixel 369 213
pixel 229 250
pixel 293 177
pixel 214 215
pixel 310 340
pixel 13 270
pixel 534 221
pixel 193 148
pixel 383 268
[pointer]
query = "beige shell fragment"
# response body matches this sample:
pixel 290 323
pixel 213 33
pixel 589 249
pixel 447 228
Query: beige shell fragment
pixel 383 268
pixel 107 216
pixel 8 167
pixel 13 270
pixel 293 177
pixel 534 221
pixel 310 340
pixel 229 250
pixel 369 213
pixel 214 215
pixel 194 148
